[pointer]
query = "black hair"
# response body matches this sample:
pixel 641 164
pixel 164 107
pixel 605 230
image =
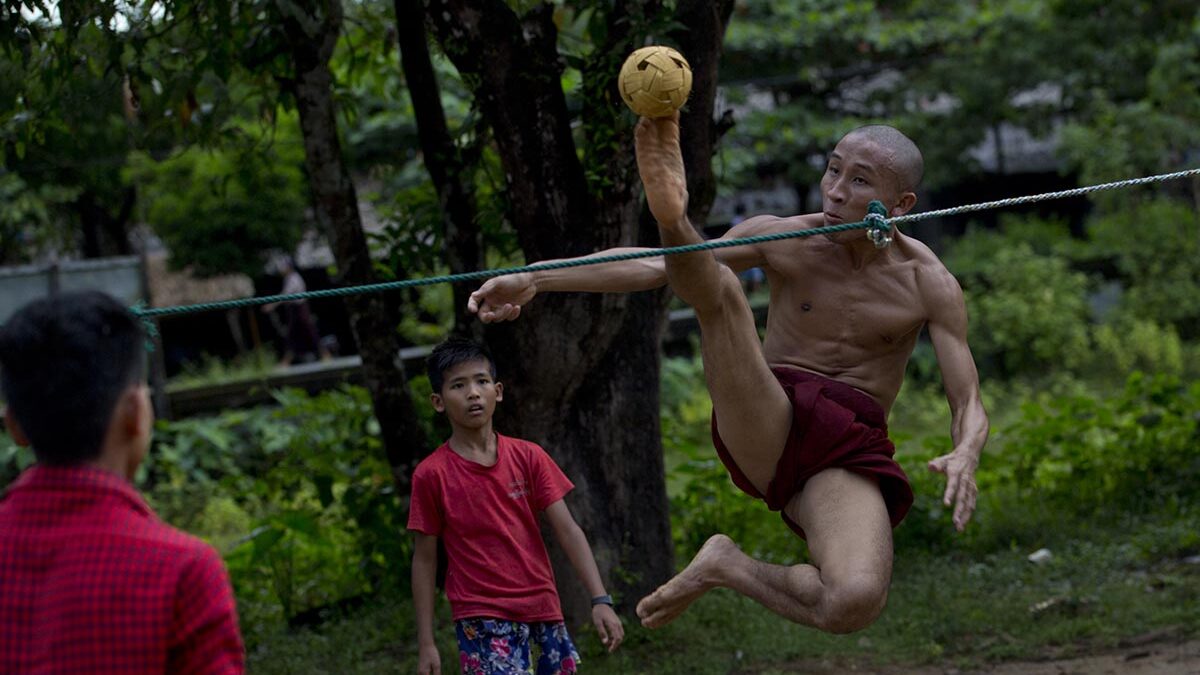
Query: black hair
pixel 453 351
pixel 65 360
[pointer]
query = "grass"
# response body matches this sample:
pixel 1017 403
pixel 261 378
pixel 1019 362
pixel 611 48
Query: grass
pixel 1114 580
pixel 959 602
pixel 213 370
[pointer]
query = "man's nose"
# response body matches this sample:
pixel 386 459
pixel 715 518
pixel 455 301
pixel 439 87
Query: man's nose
pixel 835 192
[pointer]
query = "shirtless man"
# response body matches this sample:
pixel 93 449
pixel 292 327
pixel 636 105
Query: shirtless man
pixel 800 419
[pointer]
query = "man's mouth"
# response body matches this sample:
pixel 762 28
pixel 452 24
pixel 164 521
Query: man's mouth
pixel 475 409
pixel 832 217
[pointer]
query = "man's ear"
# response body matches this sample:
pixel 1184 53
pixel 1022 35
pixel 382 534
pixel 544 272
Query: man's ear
pixel 499 391
pixel 14 429
pixel 438 404
pixel 907 201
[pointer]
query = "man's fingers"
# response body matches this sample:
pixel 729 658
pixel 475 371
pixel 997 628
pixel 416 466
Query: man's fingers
pixel 473 301
pixel 951 489
pixel 938 465
pixel 967 495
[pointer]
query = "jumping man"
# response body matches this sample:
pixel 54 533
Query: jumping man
pixel 800 419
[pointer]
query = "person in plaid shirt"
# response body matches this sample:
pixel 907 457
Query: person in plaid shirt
pixel 90 579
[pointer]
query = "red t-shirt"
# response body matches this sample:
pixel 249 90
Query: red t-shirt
pixel 92 581
pixel 487 518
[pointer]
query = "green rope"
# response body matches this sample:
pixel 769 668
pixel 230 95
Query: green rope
pixel 874 222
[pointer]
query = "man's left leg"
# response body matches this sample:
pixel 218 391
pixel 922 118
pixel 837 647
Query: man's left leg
pixel 843 590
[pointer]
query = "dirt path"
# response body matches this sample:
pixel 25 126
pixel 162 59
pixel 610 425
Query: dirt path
pixel 1162 658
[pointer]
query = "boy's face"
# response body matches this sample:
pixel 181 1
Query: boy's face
pixel 469 394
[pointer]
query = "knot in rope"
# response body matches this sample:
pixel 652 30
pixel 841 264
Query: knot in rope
pixel 878 229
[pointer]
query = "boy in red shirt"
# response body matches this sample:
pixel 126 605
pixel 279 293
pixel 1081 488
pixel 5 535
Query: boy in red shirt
pixel 481 492
pixel 91 581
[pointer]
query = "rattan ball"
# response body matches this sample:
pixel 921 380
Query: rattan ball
pixel 655 81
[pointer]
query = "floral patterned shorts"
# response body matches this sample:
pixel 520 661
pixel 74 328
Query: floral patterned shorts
pixel 499 647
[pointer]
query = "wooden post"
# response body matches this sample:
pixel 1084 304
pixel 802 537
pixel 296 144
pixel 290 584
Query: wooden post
pixel 157 367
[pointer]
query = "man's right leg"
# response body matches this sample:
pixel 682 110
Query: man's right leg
pixel 753 412
pixel 850 539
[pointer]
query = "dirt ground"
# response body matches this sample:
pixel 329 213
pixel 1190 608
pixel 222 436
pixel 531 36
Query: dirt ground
pixel 1156 658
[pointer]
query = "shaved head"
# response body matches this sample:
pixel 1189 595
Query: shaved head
pixel 901 155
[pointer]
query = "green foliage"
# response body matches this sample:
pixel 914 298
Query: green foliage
pixel 1135 451
pixel 300 494
pixel 222 211
pixel 13 459
pixel 29 227
pixel 1155 245
pixel 212 370
pixel 1128 345
pixel 1058 450
pixel 1028 311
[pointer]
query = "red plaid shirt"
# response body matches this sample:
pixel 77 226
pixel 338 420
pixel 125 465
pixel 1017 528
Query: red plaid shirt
pixel 92 581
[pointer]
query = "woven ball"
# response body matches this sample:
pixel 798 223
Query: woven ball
pixel 655 81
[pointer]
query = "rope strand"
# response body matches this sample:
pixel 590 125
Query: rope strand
pixel 871 223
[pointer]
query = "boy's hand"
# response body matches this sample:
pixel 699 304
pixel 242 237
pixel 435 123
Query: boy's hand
pixel 608 624
pixel 429 662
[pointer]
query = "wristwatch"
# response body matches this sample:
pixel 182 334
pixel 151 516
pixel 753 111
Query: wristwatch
pixel 602 600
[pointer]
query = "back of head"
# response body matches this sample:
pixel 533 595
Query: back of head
pixel 64 363
pixel 453 351
pixel 903 156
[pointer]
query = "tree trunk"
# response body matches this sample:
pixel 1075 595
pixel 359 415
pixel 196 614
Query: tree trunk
pixel 582 369
pixel 700 38
pixel 451 177
pixel 374 316
pixel 103 234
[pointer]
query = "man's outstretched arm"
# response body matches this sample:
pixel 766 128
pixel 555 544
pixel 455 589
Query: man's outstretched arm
pixel 969 422
pixel 501 298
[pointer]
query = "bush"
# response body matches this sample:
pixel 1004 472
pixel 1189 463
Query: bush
pixel 1028 312
pixel 1135 451
pixel 222 211
pixel 1155 247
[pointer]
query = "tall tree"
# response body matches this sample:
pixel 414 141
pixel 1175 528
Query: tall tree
pixel 446 165
pixel 583 369
pixel 311 30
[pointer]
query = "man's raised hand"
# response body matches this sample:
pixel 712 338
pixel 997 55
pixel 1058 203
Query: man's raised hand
pixel 501 298
pixel 959 468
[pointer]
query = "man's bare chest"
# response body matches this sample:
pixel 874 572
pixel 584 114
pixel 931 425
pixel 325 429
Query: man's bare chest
pixel 872 311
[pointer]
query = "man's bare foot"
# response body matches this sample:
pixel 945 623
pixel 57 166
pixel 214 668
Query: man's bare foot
pixel 660 163
pixel 700 576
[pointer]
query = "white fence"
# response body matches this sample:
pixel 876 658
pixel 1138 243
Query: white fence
pixel 119 277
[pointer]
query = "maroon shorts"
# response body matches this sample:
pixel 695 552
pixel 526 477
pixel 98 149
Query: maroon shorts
pixel 833 425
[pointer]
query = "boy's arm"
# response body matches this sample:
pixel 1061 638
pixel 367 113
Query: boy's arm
pixel 424 590
pixel 969 422
pixel 571 537
pixel 205 636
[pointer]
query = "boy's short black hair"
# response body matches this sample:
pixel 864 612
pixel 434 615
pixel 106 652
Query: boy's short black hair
pixel 453 351
pixel 64 362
